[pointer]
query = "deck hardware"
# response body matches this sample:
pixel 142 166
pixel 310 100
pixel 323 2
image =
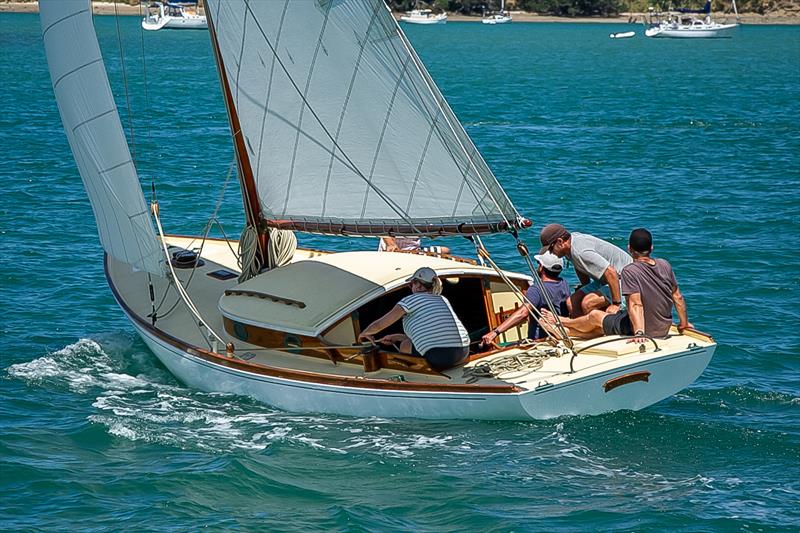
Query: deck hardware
pixel 264 295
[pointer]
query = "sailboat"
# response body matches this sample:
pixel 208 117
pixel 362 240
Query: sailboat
pixel 173 15
pixel 501 17
pixel 683 23
pixel 338 129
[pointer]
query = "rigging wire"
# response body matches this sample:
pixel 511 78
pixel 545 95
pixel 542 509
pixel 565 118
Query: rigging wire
pixel 125 83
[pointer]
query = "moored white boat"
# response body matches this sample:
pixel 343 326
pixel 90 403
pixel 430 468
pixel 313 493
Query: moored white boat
pixel 501 17
pixel 366 146
pixel 423 16
pixel 174 16
pixel 685 24
pixel 497 18
pixel 623 35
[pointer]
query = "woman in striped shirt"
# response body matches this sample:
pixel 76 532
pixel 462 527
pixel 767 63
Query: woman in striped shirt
pixel 432 329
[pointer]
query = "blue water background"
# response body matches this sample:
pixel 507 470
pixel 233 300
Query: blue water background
pixel 697 140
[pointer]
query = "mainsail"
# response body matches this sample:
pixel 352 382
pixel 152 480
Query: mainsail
pixel 95 134
pixel 342 128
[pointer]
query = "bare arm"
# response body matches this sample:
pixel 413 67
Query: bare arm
pixel 612 278
pixel 382 323
pixel 680 308
pixel 636 313
pixel 517 317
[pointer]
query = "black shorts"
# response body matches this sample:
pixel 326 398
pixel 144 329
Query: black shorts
pixel 443 358
pixel 617 324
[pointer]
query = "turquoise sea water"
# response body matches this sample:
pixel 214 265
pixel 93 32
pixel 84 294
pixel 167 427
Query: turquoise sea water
pixel 697 140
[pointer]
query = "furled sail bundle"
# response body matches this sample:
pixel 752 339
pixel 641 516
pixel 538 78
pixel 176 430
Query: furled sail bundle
pixel 95 134
pixel 340 127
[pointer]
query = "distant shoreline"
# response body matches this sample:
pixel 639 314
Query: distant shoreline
pixel 109 8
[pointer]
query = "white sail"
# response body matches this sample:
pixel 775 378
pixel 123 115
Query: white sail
pixel 95 134
pixel 343 128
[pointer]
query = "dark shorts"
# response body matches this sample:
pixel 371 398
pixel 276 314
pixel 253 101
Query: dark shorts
pixel 617 324
pixel 443 358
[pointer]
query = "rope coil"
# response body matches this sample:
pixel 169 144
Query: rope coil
pixel 522 363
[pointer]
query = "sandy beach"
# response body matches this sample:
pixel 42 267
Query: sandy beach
pixel 776 17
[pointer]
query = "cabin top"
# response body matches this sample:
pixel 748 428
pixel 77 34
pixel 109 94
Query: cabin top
pixel 283 299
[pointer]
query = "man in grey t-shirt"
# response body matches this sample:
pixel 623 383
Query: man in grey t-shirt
pixel 597 264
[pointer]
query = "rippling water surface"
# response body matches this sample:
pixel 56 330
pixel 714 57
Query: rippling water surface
pixel 697 140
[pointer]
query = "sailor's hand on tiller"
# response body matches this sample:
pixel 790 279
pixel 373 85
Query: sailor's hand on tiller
pixel 488 339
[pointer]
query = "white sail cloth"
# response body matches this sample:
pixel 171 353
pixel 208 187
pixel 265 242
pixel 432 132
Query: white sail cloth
pixel 95 134
pixel 343 125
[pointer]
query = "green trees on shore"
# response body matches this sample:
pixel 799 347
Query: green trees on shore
pixel 574 8
pixel 564 8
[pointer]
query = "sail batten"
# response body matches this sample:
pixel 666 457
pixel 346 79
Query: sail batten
pixel 95 134
pixel 345 126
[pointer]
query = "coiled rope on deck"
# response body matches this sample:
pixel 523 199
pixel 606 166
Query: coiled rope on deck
pixel 527 361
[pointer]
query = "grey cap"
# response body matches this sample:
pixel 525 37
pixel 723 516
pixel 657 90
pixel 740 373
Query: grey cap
pixel 550 262
pixel 424 275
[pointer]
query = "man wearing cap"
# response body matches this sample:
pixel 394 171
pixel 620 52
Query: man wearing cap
pixel 432 329
pixel 649 286
pixel 549 270
pixel 597 263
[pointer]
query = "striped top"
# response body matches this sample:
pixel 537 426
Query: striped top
pixel 431 323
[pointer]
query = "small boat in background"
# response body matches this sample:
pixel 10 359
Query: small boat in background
pixel 623 35
pixel 424 16
pixel 174 16
pixel 500 17
pixel 683 24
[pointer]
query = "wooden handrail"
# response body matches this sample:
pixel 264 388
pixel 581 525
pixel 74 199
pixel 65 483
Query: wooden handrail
pixel 264 295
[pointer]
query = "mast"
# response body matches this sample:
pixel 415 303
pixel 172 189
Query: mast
pixel 250 198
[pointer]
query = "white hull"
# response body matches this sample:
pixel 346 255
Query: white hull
pixel 496 20
pixel 581 394
pixel 316 385
pixel 423 21
pixel 175 23
pixel 717 32
pixel 623 35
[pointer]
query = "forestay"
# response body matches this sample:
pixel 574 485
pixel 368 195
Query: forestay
pixel 344 130
pixel 95 133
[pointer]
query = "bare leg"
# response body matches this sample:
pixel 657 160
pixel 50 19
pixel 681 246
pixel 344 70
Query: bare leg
pixel 575 303
pixel 584 327
pixel 592 301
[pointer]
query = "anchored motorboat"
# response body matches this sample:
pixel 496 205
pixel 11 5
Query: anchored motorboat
pixel 424 16
pixel 348 136
pixel 623 35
